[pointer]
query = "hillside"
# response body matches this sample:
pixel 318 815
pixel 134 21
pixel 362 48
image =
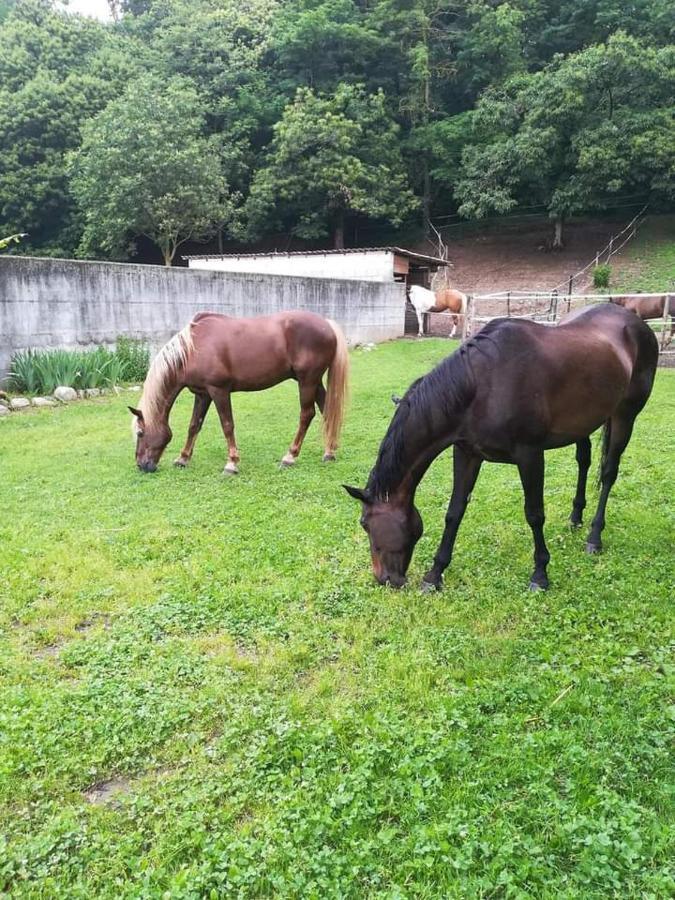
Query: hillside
pixel 516 258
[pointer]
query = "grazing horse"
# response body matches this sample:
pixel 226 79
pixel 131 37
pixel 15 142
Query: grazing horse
pixel 511 392
pixel 651 308
pixel 215 355
pixel 445 300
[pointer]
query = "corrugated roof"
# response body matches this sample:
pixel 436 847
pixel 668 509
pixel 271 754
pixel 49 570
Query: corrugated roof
pixel 399 251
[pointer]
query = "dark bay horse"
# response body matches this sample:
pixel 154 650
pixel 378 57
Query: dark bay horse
pixel 508 394
pixel 215 355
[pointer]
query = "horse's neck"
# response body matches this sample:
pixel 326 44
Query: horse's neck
pixel 408 450
pixel 159 398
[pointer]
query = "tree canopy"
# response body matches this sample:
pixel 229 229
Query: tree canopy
pixel 310 116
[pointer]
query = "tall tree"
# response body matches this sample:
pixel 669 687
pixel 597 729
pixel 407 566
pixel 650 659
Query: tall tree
pixel 145 168
pixel 56 71
pixel 574 135
pixel 331 157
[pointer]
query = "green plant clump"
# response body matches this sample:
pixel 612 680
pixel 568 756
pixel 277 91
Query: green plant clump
pixel 41 371
pixel 135 358
pixel 601 275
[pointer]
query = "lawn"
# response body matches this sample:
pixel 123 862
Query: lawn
pixel 648 262
pixel 204 693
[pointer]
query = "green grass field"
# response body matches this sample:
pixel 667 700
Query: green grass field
pixel 648 262
pixel 204 694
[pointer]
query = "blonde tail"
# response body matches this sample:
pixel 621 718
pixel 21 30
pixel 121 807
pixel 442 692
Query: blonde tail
pixel 337 391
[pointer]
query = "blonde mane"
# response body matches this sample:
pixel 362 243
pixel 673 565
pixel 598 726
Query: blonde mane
pixel 163 370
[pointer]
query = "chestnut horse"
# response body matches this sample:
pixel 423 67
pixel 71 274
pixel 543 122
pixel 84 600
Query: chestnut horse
pixel 446 300
pixel 511 392
pixel 215 355
pixel 657 307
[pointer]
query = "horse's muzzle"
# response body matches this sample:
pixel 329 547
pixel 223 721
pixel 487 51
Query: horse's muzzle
pixel 395 581
pixel 147 466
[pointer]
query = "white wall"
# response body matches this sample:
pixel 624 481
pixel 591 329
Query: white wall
pixel 373 266
pixel 71 303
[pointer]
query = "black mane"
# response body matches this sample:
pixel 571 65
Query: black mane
pixel 442 393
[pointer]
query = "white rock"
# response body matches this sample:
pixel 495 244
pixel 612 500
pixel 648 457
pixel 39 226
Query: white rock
pixel 3 410
pixel 65 394
pixel 19 402
pixel 91 392
pixel 43 401
pixel 136 387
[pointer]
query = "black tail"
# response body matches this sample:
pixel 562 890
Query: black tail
pixel 606 436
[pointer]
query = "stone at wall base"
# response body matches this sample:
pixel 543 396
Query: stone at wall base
pixel 91 392
pixel 43 401
pixel 4 411
pixel 65 394
pixel 19 402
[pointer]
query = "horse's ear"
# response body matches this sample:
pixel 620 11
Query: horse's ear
pixel 395 399
pixel 358 493
pixel 136 412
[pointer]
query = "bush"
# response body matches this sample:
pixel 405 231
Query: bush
pixel 134 356
pixel 41 371
pixel 601 276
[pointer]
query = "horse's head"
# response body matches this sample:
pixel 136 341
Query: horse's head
pixel 151 440
pixel 393 529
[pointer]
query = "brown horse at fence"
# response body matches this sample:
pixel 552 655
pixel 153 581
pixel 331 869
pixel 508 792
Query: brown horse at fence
pixel 656 307
pixel 511 392
pixel 215 355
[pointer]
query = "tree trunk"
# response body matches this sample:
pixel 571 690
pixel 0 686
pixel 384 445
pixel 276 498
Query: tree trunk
pixel 558 233
pixel 168 255
pixel 426 198
pixel 339 232
pixel 220 241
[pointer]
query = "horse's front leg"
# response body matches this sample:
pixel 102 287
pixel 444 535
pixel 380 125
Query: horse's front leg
pixel 531 471
pixel 221 397
pixel 201 407
pixel 466 467
pixel 307 413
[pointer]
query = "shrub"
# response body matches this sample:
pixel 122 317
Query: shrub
pixel 41 371
pixel 134 356
pixel 601 275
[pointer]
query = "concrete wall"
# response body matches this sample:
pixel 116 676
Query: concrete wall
pixel 69 303
pixel 373 265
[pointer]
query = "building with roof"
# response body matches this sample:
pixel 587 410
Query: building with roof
pixel 363 264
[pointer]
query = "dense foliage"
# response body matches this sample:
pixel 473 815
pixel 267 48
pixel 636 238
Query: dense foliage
pixel 249 117
pixel 41 371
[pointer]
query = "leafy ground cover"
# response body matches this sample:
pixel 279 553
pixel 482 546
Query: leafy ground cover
pixel 204 694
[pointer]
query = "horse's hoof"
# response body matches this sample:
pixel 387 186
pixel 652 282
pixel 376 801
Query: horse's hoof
pixel 428 587
pixel 575 524
pixel 593 548
pixel 535 586
pixel 329 457
pixel 181 463
pixel 230 469
pixel 288 460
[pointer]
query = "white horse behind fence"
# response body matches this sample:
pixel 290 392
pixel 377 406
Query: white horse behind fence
pixel 446 300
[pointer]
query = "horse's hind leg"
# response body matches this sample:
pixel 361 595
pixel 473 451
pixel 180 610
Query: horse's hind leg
pixel 615 441
pixel 308 392
pixel 328 451
pixel 584 463
pixel 201 407
pixel 221 397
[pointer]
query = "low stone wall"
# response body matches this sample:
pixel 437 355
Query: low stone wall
pixel 71 303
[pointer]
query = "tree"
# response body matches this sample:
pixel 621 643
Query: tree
pixel 145 168
pixel 575 134
pixel 330 157
pixel 56 71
